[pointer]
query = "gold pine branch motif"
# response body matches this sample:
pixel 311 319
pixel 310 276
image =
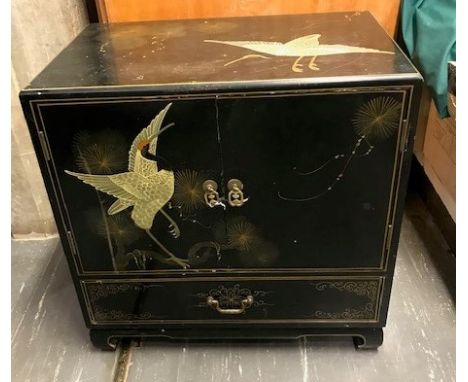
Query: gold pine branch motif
pixel 374 121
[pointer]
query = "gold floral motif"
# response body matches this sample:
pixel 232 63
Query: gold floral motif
pixel 98 291
pixel 349 314
pixel 242 234
pixel 102 153
pixel 378 118
pixel 118 315
pixel 239 234
pixel 188 192
pixel 362 288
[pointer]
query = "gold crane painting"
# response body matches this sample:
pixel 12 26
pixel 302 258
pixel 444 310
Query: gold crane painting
pixel 305 46
pixel 143 187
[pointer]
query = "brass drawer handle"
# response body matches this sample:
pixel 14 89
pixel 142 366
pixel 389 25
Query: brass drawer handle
pixel 236 195
pixel 211 195
pixel 245 303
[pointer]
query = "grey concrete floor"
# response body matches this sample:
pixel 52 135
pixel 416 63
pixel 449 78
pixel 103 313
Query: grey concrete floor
pixel 50 341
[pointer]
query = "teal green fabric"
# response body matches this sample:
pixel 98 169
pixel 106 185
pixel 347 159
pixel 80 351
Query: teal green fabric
pixel 429 32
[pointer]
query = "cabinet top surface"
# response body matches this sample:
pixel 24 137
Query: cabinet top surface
pixel 315 48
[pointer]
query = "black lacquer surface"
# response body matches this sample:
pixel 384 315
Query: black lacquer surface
pixel 309 300
pixel 175 52
pixel 322 200
pixel 320 143
pixel 318 193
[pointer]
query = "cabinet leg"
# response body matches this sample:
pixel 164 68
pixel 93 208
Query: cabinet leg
pixel 103 340
pixel 369 339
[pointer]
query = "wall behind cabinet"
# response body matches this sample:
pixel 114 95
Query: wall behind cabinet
pixel 40 30
pixel 386 12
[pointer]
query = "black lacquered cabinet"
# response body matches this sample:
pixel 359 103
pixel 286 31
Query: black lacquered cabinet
pixel 229 178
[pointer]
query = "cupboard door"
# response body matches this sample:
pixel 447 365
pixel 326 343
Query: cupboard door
pixel 130 202
pixel 319 171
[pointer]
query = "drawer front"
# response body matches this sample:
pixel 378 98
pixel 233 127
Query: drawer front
pixel 243 300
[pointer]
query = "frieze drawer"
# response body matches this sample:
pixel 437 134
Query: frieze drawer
pixel 308 300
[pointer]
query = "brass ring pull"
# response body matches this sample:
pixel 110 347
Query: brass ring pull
pixel 211 195
pixel 236 195
pixel 245 303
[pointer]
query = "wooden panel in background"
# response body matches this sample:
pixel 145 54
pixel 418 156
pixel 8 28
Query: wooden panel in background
pixel 439 158
pixel 386 12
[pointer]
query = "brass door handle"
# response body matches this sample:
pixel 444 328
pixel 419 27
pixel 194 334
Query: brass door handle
pixel 236 195
pixel 245 303
pixel 211 195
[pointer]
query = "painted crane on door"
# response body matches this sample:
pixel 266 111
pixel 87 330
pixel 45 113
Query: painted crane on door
pixel 143 187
